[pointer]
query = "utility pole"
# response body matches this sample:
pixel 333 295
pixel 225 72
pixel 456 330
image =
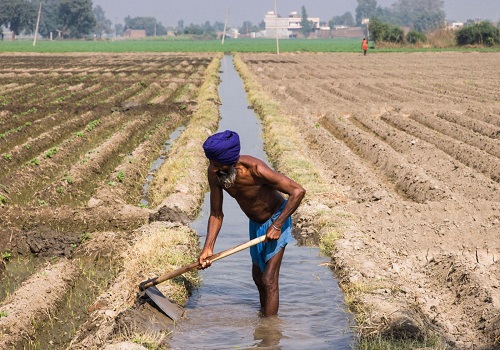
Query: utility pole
pixel 225 26
pixel 276 28
pixel 37 24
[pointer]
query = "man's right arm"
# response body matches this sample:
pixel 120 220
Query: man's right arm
pixel 214 221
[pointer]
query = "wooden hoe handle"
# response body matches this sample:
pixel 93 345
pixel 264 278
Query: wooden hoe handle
pixel 195 264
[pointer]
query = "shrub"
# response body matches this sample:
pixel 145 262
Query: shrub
pixel 414 37
pixel 482 33
pixel 381 32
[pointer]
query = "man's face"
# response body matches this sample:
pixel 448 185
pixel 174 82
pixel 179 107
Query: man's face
pixel 225 173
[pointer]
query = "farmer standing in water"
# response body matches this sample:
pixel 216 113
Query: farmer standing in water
pixel 256 188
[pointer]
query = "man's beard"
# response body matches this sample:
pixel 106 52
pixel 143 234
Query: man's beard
pixel 227 178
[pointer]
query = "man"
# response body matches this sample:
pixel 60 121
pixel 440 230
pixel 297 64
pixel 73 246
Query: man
pixel 364 46
pixel 256 188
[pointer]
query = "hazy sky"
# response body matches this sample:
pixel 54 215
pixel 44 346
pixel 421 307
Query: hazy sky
pixel 199 11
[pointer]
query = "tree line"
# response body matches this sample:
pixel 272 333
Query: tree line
pixel 78 19
pixel 421 16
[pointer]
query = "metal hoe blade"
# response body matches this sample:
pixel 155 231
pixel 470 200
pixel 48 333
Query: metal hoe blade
pixel 172 310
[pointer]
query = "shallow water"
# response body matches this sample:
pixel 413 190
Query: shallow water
pixel 223 312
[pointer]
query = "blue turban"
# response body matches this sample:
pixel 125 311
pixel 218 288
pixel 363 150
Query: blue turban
pixel 223 147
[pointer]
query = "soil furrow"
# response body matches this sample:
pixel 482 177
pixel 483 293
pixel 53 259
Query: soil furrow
pixel 20 185
pixel 94 166
pixel 38 297
pixel 451 173
pixel 20 154
pixel 458 133
pixel 409 179
pixel 470 156
pixel 473 124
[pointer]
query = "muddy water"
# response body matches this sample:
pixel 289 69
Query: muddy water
pixel 223 312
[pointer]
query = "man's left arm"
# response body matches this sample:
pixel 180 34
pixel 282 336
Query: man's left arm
pixel 285 185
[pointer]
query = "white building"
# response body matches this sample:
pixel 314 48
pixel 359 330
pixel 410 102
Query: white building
pixel 286 26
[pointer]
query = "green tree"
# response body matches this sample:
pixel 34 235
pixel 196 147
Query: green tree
pixel 248 27
pixel 428 21
pixel 305 23
pixel 381 31
pixel 365 9
pixel 49 18
pixel 421 15
pixel 119 28
pixel 345 20
pixel 149 24
pixel 77 18
pixel 103 24
pixel 414 37
pixel 378 30
pixel 18 15
pixel 482 33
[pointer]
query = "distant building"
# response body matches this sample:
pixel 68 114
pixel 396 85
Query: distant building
pixel 134 33
pixel 286 27
pixel 341 32
pixel 455 25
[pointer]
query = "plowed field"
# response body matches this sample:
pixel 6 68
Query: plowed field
pixel 78 136
pixel 414 140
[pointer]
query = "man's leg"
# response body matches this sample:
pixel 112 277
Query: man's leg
pixel 267 284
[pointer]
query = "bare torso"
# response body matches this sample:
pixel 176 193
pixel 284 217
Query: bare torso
pixel 258 199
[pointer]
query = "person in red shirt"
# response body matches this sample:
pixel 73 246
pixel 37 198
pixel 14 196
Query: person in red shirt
pixel 364 46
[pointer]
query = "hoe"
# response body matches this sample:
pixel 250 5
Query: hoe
pixel 171 309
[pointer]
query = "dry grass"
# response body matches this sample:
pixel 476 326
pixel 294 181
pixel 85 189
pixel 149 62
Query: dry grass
pixel 186 164
pixel 441 39
pixel 164 247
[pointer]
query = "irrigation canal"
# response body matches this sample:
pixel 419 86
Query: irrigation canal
pixel 223 312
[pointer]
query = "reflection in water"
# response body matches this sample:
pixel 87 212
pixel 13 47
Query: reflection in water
pixel 268 332
pixel 224 312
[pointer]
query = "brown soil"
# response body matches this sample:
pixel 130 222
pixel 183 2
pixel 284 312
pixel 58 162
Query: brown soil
pixel 78 135
pixel 413 140
pixel 414 148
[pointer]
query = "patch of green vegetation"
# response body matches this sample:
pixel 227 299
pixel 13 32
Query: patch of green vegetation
pixel 80 134
pixel 7 156
pixel 3 314
pixel 379 343
pixel 34 161
pixel 6 256
pixel 3 199
pixel 84 237
pixel 120 176
pixel 29 111
pixel 187 44
pixel 91 126
pixel 51 152
pixel 69 179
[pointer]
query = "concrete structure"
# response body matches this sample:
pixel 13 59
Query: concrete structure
pixel 134 33
pixel 455 25
pixel 287 27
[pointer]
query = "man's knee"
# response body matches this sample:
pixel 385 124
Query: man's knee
pixel 270 282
